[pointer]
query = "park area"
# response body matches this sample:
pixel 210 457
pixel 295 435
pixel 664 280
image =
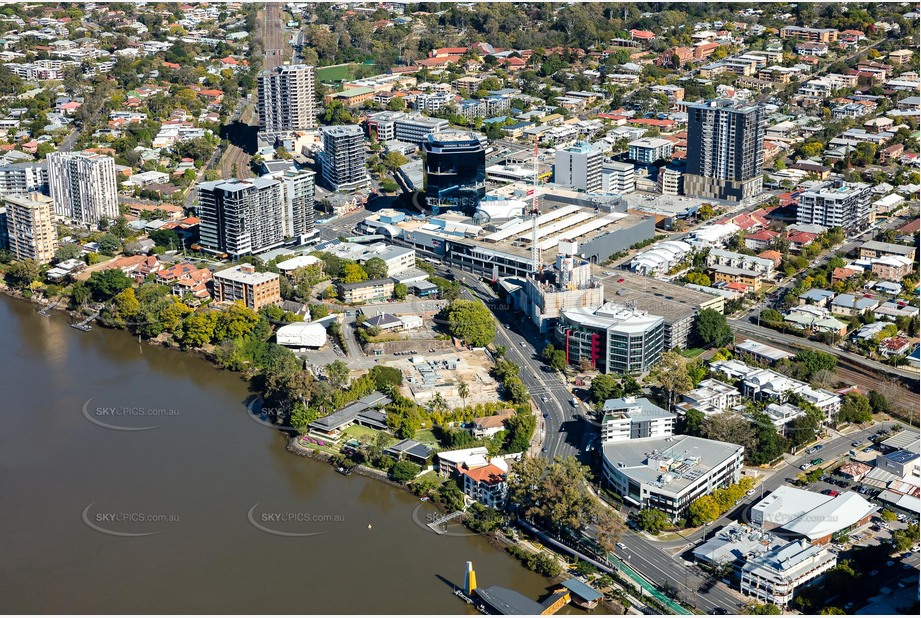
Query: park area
pixel 339 72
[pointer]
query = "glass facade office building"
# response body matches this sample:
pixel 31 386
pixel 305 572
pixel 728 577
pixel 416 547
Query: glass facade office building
pixel 455 169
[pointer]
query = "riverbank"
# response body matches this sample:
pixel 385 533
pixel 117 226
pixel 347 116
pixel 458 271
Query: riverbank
pixel 292 444
pixel 203 469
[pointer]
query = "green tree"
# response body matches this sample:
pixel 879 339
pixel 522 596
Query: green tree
pixel 104 284
pixel 855 408
pixel 519 430
pixel 763 609
pixel 126 304
pixel 671 375
pixel 902 540
pixel 698 278
pixel 337 373
pixel 471 321
pixel 703 510
pixel 605 386
pixel 878 402
pixel 166 238
pixel 463 391
pixel 68 251
pixel 693 421
pixel 516 390
pixel 109 244
pixel 771 316
pixel 555 494
pixel 393 160
pixel 353 273
pixel 812 361
pixel 404 471
pixel 385 376
pixel 198 328
pixel 400 291
pixel 713 329
pixel 23 273
pixel 375 268
pixel 652 520
pixel 236 321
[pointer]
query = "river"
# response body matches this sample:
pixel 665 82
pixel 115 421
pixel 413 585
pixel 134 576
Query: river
pixel 167 519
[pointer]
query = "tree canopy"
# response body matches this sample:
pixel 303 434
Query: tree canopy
pixel 471 321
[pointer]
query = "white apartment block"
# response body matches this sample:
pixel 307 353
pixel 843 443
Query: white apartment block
pixel 618 178
pixel 631 419
pixel 410 128
pixel 298 188
pixel 23 178
pixel 720 257
pixel 433 102
pixel 836 204
pixel 766 385
pixel 579 167
pixel 711 397
pixel 83 186
pixel 287 98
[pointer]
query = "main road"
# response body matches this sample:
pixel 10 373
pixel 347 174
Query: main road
pixel 568 433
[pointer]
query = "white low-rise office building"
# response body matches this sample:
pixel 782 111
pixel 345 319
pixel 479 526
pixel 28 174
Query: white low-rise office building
pixel 774 576
pixel 670 473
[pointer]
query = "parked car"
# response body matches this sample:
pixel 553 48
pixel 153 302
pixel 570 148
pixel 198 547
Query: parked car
pixel 804 467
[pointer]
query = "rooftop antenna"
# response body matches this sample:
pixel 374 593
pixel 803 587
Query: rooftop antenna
pixel 535 212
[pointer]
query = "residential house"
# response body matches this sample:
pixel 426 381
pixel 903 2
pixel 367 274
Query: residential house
pixel 894 346
pixel 487 426
pixel 485 484
pixel 851 305
pixel 816 296
pixel 711 397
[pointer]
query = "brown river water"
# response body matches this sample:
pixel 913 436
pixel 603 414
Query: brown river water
pixel 133 480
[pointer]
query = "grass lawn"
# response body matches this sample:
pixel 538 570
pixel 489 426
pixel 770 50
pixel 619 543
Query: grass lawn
pixel 431 474
pixel 332 74
pixel 385 337
pixel 425 436
pixel 360 433
pixel 692 352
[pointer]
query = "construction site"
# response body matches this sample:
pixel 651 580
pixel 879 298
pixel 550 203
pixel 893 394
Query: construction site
pixel 441 373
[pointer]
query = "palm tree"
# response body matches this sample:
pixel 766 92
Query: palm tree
pixel 464 391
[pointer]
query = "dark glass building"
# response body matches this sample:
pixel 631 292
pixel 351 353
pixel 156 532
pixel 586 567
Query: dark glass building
pixel 725 158
pixel 455 169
